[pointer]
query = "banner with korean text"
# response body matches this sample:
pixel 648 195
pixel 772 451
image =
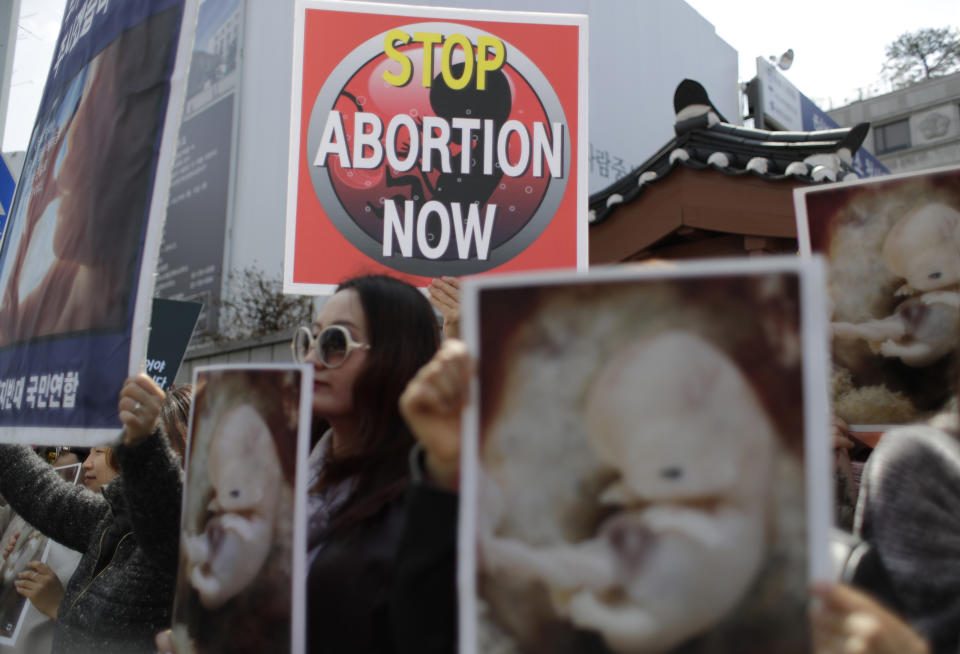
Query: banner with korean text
pixel 77 262
pixel 428 142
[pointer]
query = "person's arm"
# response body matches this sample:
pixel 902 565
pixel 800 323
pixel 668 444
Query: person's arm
pixel 63 511
pixel 432 404
pixel 423 604
pixel 423 607
pixel 153 480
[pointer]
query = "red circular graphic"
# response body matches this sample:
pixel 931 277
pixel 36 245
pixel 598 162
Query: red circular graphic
pixel 363 193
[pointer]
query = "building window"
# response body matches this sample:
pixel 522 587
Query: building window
pixel 892 136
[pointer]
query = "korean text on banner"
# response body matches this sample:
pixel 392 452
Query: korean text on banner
pixel 76 266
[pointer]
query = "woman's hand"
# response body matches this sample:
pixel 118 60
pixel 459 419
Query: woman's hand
pixel 139 407
pixel 445 298
pixel 432 404
pixel 42 587
pixel 850 622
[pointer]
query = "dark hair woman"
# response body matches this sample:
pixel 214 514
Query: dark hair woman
pixel 366 343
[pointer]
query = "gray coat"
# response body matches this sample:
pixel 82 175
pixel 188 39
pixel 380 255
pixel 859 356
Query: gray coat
pixel 122 591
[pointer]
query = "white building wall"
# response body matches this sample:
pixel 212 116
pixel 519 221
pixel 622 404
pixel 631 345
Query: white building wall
pixel 255 230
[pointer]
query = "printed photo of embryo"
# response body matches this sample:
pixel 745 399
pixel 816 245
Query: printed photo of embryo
pixel 639 484
pixel 893 250
pixel 71 255
pixel 26 544
pixel 235 581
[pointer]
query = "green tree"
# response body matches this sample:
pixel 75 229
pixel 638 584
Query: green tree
pixel 923 54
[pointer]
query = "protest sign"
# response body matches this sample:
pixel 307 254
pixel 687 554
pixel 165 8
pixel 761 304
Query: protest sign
pixel 893 250
pixel 172 325
pixel 429 142
pixel 76 265
pixel 646 460
pixel 30 545
pixel 240 584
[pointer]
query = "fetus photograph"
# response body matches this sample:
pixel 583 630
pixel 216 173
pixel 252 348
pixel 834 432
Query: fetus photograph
pixel 86 189
pixel 640 475
pixel 893 250
pixel 235 577
pixel 30 546
pixel 26 544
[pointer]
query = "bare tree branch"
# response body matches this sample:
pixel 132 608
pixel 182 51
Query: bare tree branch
pixel 258 307
pixel 923 54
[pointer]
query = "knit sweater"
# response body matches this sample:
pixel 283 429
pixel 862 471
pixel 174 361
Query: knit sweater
pixel 908 511
pixel 122 591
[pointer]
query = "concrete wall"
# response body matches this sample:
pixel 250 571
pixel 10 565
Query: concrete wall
pixel 933 111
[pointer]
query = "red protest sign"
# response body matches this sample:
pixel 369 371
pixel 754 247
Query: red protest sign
pixel 429 142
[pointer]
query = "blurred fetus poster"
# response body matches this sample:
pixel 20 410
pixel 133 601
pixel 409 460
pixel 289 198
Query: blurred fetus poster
pixel 637 459
pixel 26 544
pixel 244 508
pixel 77 261
pixel 892 246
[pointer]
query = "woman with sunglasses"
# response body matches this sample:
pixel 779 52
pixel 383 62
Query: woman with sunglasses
pixel 366 343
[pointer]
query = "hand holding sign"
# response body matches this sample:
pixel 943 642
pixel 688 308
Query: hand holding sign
pixel 42 587
pixel 431 405
pixel 445 298
pixel 139 407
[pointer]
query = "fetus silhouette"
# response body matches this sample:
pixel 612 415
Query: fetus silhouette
pixel 492 103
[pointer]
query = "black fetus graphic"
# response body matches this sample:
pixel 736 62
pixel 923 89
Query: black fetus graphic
pixel 493 103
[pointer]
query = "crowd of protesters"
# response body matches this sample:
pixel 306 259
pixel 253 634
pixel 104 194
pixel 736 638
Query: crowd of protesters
pixel 389 389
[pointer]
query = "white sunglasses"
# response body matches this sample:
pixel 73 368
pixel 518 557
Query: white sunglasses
pixel 333 344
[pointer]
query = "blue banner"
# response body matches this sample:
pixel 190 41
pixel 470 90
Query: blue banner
pixel 7 186
pixel 82 220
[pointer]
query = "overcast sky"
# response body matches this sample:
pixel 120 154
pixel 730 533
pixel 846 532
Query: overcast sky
pixel 838 45
pixel 36 36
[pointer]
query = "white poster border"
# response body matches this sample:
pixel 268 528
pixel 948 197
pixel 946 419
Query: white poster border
pixel 298 588
pixel 817 441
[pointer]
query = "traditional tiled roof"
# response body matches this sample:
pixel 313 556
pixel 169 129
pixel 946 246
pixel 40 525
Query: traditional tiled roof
pixel 705 140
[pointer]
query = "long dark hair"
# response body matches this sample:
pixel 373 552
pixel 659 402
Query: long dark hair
pixel 403 335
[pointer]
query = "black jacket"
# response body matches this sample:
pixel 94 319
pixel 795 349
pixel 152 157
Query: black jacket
pixel 122 591
pixel 348 586
pixel 423 606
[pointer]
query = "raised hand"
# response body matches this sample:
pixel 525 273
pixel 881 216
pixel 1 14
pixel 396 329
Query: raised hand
pixel 445 298
pixel 432 404
pixel 139 407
